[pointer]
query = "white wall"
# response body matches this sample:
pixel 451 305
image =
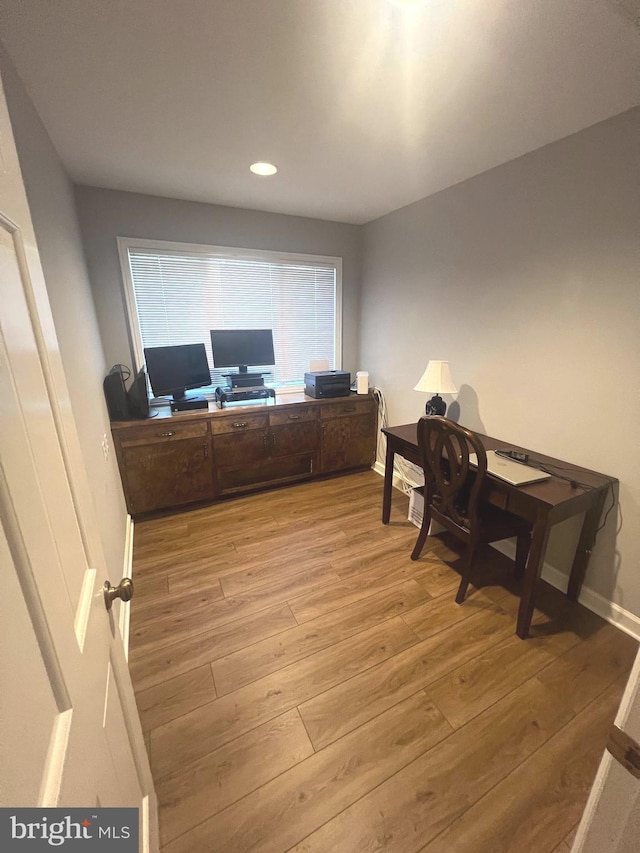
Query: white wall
pixel 527 279
pixel 107 214
pixel 53 213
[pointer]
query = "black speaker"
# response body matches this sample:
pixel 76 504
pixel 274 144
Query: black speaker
pixel 137 399
pixel 115 394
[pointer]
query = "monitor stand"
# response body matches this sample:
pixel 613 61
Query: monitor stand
pixel 244 380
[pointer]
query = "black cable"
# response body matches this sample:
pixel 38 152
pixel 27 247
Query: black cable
pixel 574 483
pixel 553 470
pixel 606 515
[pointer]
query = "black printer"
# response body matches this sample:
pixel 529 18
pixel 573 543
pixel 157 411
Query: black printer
pixel 327 383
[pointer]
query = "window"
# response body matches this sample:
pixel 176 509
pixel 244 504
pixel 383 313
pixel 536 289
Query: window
pixel 176 293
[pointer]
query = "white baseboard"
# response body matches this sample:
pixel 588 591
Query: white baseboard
pixel 127 568
pixel 592 600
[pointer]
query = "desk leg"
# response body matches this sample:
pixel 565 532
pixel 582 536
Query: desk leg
pixel 539 541
pixel 388 483
pixel 585 544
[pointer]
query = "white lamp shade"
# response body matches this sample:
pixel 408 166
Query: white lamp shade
pixel 436 379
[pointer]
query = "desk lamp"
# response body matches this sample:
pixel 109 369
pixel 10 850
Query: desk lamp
pixel 436 380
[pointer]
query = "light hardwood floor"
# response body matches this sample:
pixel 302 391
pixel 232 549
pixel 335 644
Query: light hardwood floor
pixel 304 686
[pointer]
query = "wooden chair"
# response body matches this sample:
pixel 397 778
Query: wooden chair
pixel 453 495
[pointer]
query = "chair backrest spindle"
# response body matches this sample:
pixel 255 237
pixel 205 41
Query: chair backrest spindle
pixel 445 447
pixel 454 495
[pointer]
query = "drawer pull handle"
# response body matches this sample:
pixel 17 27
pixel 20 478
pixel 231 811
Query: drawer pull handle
pixel 239 425
pixel 165 434
pixel 294 417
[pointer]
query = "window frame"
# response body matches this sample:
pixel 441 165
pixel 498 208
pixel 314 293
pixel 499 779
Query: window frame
pixel 237 253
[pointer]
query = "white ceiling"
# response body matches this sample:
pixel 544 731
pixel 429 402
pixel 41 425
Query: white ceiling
pixel 362 105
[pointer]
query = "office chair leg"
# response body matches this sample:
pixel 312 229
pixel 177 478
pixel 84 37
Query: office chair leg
pixel 462 590
pixel 522 552
pixel 466 573
pixel 422 536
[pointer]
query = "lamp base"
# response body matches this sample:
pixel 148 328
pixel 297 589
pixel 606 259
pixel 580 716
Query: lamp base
pixel 436 406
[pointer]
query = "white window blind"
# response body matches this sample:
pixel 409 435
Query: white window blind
pixel 180 295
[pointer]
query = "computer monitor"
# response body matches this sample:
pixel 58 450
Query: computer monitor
pixel 174 369
pixel 242 348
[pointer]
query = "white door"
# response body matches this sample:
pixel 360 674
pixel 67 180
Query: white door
pixel 611 819
pixel 70 734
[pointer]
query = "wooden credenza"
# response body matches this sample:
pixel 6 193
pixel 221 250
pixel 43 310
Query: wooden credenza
pixel 172 460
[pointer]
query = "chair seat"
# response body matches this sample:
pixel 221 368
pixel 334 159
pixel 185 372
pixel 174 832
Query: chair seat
pixel 494 523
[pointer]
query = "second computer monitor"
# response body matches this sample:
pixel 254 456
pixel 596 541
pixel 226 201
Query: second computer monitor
pixel 242 348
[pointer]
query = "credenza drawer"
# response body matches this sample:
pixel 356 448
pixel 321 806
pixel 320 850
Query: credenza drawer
pixel 350 407
pixel 239 423
pixel 287 416
pixel 162 431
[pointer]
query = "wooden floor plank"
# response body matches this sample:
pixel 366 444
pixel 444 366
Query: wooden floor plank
pixel 181 559
pixel 271 573
pixel 151 586
pixel 302 799
pixel 343 593
pixel 149 532
pixel 438 613
pixel 248 664
pixel 159 606
pixel 590 667
pixel 315 629
pixel 514 816
pixel 200 574
pixel 338 710
pixel 154 664
pixel 209 784
pixel 422 799
pixel 436 577
pixel 212 725
pixel 478 683
pixel 280 544
pixel 215 569
pixel 175 696
pixel 185 622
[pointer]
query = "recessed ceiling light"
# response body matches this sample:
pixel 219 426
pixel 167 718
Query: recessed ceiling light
pixel 263 168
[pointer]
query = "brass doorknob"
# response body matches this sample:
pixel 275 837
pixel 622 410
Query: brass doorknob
pixel 124 591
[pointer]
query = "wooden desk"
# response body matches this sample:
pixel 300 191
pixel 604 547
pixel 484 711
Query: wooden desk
pixel 542 504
